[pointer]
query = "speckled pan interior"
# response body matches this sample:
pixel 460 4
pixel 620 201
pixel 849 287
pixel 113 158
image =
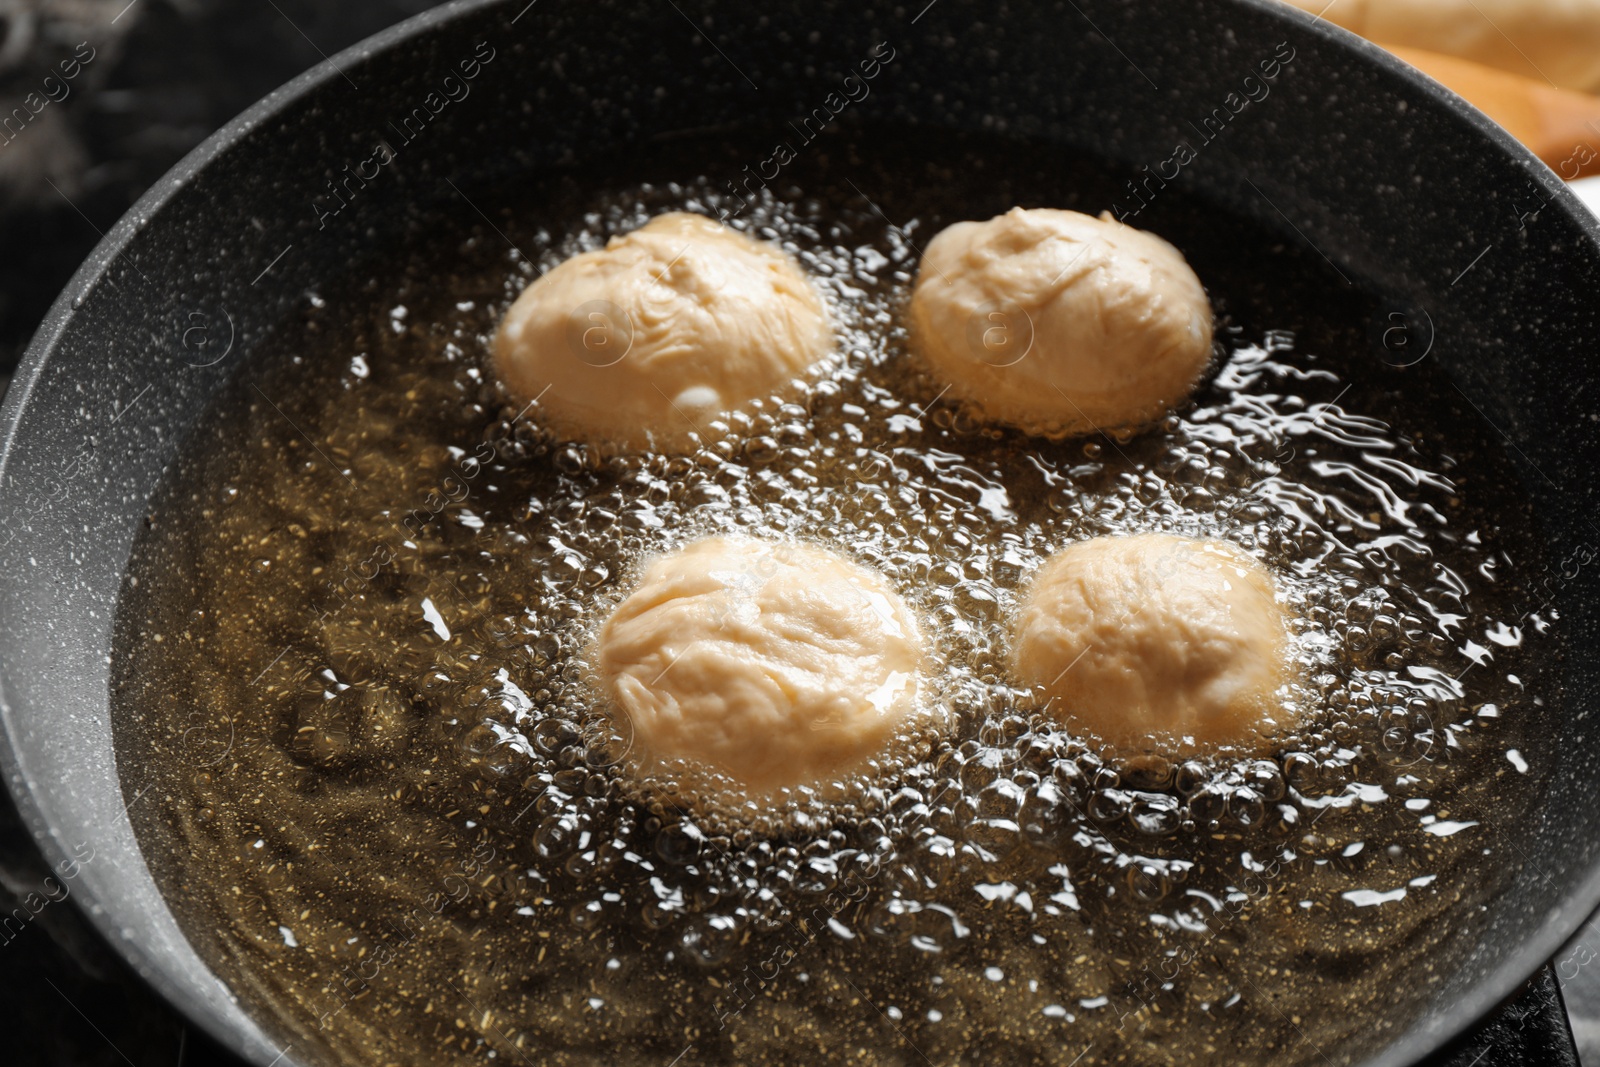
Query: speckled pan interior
pixel 1473 245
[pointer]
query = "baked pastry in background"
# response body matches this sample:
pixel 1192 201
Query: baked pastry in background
pixel 1555 41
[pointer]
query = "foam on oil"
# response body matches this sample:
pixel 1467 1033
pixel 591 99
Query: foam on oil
pixel 393 814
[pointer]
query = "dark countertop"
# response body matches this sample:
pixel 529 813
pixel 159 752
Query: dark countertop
pixel 149 80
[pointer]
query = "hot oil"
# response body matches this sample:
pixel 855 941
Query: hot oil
pixel 394 816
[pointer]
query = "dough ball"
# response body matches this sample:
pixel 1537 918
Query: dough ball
pixel 660 332
pixel 1555 41
pixel 1057 322
pixel 777 665
pixel 1155 641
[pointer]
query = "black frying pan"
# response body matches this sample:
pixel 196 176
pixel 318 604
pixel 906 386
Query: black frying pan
pixel 1400 185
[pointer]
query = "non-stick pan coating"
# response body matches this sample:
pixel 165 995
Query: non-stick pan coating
pixel 1477 246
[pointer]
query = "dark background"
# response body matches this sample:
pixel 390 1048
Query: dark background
pixel 164 75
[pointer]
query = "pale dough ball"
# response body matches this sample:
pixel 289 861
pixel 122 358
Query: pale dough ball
pixel 660 332
pixel 777 665
pixel 1556 41
pixel 1054 321
pixel 1155 641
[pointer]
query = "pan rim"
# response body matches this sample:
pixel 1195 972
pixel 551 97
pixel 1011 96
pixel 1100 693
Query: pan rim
pixel 1428 1034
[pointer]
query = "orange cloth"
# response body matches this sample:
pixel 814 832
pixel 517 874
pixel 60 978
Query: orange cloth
pixel 1560 126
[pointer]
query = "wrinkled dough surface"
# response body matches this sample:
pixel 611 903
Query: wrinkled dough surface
pixel 1155 641
pixel 777 665
pixel 1556 41
pixel 661 331
pixel 1055 321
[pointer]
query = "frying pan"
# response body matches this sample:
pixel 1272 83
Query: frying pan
pixel 1401 186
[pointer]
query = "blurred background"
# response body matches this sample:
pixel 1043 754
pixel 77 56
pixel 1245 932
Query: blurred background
pixel 99 98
